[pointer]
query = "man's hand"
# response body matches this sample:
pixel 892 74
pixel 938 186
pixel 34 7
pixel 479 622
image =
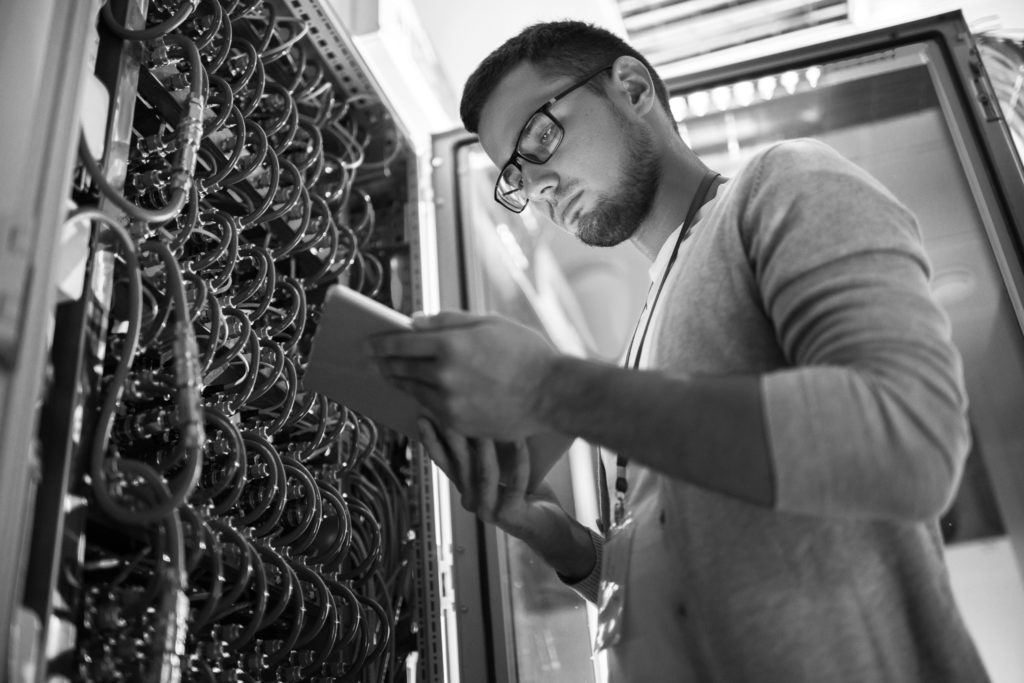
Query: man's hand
pixel 481 375
pixel 492 486
pixel 492 480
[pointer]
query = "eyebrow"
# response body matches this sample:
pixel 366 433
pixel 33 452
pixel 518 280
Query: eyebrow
pixel 576 84
pixel 546 103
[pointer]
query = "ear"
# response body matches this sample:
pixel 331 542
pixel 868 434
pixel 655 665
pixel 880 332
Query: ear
pixel 633 80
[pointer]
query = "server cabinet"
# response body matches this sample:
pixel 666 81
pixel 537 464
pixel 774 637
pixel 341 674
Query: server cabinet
pixel 183 181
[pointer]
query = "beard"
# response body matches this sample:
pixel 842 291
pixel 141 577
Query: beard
pixel 617 218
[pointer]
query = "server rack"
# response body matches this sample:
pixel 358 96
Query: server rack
pixel 236 526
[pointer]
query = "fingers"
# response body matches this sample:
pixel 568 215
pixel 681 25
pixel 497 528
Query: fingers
pixel 428 338
pixel 416 370
pixel 514 490
pixel 521 469
pixel 427 392
pixel 437 452
pixel 444 319
pixel 455 458
pixel 462 458
pixel 422 345
pixel 407 357
pixel 488 476
pixel 476 469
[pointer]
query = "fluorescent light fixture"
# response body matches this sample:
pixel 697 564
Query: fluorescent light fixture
pixel 668 31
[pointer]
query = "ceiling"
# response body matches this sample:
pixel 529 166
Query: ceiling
pixel 463 32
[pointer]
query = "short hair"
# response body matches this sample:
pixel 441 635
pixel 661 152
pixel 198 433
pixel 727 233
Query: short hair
pixel 557 48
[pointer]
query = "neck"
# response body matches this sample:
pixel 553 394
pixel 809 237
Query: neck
pixel 681 173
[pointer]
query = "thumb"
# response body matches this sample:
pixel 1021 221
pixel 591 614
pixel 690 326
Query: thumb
pixel 422 321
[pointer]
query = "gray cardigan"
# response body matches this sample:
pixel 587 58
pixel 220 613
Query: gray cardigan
pixel 805 271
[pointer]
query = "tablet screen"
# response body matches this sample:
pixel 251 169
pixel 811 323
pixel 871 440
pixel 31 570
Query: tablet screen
pixel 339 368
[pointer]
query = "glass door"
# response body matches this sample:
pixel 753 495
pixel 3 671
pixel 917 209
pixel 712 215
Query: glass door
pixel 515 620
pixel 511 270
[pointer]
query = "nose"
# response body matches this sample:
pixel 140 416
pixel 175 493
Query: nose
pixel 540 182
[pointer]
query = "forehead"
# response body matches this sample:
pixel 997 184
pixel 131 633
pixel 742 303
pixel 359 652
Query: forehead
pixel 520 93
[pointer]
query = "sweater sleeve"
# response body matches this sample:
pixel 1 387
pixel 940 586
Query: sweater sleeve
pixel 589 585
pixel 869 419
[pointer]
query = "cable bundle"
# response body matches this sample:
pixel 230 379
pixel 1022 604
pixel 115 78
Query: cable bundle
pixel 243 529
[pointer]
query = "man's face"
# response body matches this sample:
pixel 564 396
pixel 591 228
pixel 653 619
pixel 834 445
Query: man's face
pixel 600 182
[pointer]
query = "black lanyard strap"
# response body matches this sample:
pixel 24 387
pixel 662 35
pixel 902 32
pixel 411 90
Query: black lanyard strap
pixel 621 484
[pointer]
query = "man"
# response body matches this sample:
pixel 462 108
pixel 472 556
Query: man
pixel 790 420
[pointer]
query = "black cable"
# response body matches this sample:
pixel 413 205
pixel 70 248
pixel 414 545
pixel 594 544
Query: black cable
pixel 295 193
pixel 310 151
pixel 160 30
pixel 234 473
pixel 310 507
pixel 384 638
pixel 250 128
pixel 283 408
pixel 190 131
pixel 241 331
pixel 287 584
pixel 314 623
pixel 337 547
pixel 245 560
pixel 261 260
pixel 294 316
pixel 278 495
pixel 202 42
pixel 212 183
pixel 238 393
pixel 282 119
pixel 263 491
pixel 214 575
pixel 273 373
pixel 266 287
pixel 298 604
pixel 257 608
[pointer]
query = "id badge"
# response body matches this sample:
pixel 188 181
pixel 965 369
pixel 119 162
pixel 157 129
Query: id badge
pixel 611 597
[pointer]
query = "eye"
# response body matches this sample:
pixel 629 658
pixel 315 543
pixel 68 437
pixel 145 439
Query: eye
pixel 539 138
pixel 547 134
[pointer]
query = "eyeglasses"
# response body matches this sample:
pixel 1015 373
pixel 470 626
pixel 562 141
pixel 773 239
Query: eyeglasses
pixel 537 142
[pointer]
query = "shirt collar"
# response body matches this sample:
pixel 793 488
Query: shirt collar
pixel 660 263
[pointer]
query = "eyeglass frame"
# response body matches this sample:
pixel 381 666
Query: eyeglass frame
pixel 546 110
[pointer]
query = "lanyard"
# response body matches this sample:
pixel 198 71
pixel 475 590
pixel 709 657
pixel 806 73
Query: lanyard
pixel 621 484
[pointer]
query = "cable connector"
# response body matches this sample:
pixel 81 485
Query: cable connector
pixel 190 134
pixel 156 54
pixel 189 387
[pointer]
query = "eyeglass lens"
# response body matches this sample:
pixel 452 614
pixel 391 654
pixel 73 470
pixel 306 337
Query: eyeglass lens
pixel 539 138
pixel 538 141
pixel 510 188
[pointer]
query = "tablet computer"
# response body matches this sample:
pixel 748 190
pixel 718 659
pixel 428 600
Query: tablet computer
pixel 340 369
